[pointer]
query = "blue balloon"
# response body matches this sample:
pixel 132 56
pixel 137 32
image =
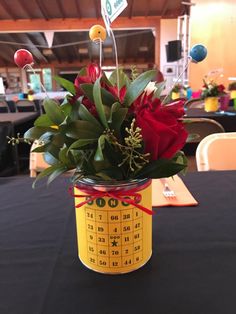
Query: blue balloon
pixel 198 53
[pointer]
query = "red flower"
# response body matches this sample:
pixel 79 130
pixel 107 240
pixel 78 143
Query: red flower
pixel 220 88
pixel 162 130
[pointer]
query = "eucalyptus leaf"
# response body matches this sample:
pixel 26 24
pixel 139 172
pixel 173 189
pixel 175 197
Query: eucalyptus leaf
pixel 49 158
pixel 159 89
pixel 137 86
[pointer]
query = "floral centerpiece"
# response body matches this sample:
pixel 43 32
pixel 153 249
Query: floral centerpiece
pixel 176 90
pixel 108 134
pixel 211 91
pixel 115 136
pixel 232 90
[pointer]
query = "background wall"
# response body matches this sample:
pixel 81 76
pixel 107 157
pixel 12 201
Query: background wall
pixel 213 23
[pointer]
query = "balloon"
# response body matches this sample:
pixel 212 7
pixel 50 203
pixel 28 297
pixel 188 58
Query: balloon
pixel 22 57
pixel 198 53
pixel 97 33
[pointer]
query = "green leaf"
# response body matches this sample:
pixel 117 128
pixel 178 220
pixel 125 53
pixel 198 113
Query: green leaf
pixel 46 172
pixel 88 90
pixel 66 108
pixel 159 89
pixel 137 86
pixel 114 108
pixel 98 102
pixel 53 111
pixel 56 173
pixel 87 116
pixel 107 98
pixel 81 143
pixel 36 132
pixel 101 144
pixel 68 85
pixel 160 168
pixel 83 130
pixel 117 119
pixel 43 121
pixel 49 158
pixel 123 78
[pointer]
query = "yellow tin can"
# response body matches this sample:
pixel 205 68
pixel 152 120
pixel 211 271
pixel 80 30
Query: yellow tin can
pixel 211 104
pixel 114 235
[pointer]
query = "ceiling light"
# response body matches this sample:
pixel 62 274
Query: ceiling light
pixel 107 50
pixel 47 52
pixel 143 48
pixel 83 51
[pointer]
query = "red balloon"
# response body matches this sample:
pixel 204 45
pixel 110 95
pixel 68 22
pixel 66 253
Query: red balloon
pixel 23 57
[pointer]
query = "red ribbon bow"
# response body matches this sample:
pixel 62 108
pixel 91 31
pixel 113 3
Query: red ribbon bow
pixel 119 195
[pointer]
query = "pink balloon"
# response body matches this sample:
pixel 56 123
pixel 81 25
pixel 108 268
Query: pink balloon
pixel 22 57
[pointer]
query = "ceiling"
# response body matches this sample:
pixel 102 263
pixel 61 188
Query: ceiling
pixel 134 46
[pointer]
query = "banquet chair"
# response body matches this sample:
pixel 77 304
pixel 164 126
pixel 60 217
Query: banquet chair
pixel 24 105
pixel 4 106
pixel 217 152
pixel 37 162
pixel 202 127
pixel 194 103
pixel 7 152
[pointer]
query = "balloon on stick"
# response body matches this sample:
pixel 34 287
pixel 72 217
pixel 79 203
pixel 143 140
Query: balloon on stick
pixel 24 59
pixel 197 54
pixel 97 34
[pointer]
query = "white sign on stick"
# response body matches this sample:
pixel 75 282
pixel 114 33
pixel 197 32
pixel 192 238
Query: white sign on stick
pixel 111 9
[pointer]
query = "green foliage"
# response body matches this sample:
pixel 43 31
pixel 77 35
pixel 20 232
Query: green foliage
pixel 102 142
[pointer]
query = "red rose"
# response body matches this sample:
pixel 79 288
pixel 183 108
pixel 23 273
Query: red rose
pixel 163 133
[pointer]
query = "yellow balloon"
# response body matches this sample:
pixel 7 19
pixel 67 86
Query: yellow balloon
pixel 97 33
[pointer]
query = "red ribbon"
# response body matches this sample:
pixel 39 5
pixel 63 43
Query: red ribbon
pixel 119 195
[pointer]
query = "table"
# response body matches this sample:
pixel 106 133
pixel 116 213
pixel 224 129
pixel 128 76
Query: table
pixel 18 118
pixel 192 270
pixel 226 119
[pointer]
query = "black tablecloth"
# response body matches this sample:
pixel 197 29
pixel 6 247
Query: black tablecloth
pixel 192 270
pixel 227 119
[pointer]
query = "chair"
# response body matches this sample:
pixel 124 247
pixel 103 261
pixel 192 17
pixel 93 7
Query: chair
pixel 194 103
pixel 37 162
pixel 217 152
pixel 202 127
pixel 8 157
pixel 4 106
pixel 24 105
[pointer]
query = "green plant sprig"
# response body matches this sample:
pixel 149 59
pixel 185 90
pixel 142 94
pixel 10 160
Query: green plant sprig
pixel 17 140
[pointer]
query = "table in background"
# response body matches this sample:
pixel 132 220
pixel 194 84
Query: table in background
pixel 226 119
pixel 192 269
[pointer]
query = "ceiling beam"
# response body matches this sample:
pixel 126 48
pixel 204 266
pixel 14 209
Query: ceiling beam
pixel 61 9
pixel 8 9
pixel 78 9
pixel 165 7
pixel 42 10
pixel 131 9
pixel 72 24
pixel 24 7
pixel 96 8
